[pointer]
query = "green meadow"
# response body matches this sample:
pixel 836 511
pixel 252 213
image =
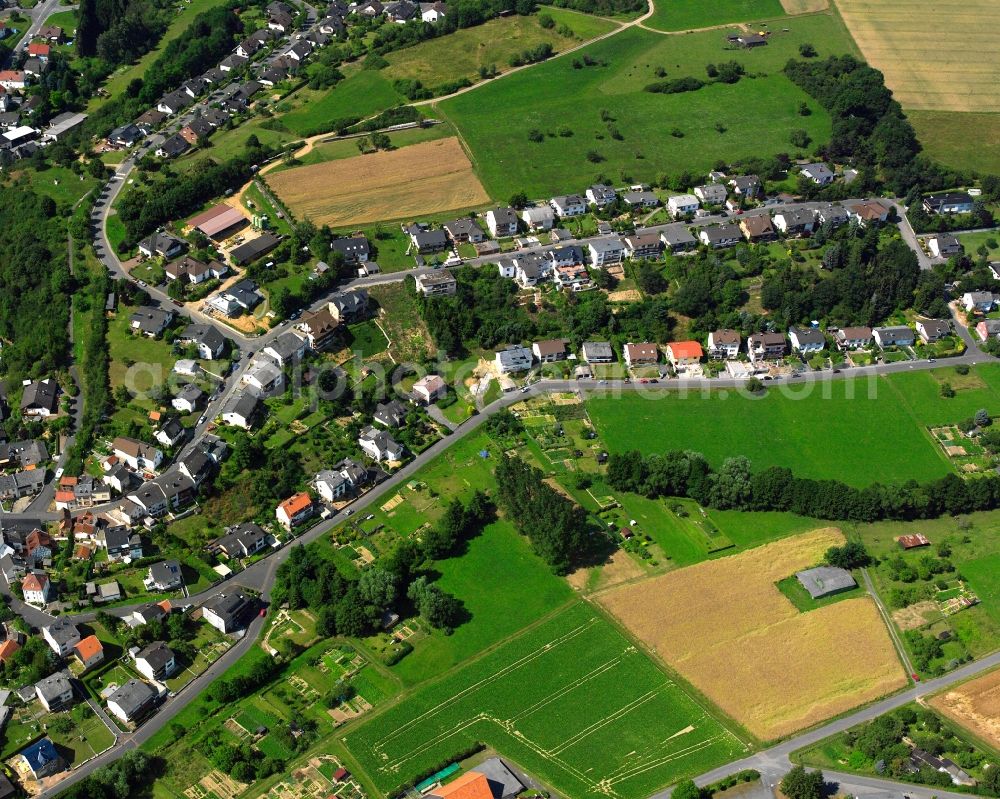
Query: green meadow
pixel 683 15
pixel 855 431
pixel 597 120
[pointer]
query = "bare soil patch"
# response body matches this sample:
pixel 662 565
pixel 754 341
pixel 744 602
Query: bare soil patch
pixel 422 179
pixel 914 616
pixel 976 706
pixel 725 626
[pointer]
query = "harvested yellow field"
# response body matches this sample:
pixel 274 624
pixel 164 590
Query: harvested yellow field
pixel 976 706
pixel 725 626
pixel 937 55
pixel 422 179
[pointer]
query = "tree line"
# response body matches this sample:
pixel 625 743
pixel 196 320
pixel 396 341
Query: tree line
pixel 555 525
pixel 736 486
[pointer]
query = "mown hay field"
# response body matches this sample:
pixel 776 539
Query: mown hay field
pixel 937 55
pixel 974 705
pixel 571 700
pixel 725 626
pixel 423 179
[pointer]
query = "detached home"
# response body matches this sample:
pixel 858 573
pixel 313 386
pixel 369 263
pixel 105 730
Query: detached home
pixel 501 222
pixel 429 389
pixel 643 245
pixel 644 354
pixel 806 340
pixel 464 230
pixel 513 358
pixel 853 338
pixel 795 222
pixel 379 445
pixel 893 336
pixel 711 193
pixel 601 196
pixel 819 174
pixel 228 612
pixel 724 344
pixel 954 202
pixel 606 251
pixel 540 217
pixel 979 301
pixel 684 354
pixel 766 346
pixel 568 205
pixel 597 352
pixel 132 700
pixel 436 284
pixel 719 236
pixel 682 205
pixel 931 330
pixel 550 351
pixel 944 246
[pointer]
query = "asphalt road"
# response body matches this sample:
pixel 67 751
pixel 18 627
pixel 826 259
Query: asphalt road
pixel 38 15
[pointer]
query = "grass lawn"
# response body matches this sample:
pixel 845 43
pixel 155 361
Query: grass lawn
pixel 228 143
pixel 683 15
pixel 361 94
pixel 503 586
pixel 579 111
pixel 816 433
pixel 185 15
pixel 60 183
pixel 87 738
pixel 980 152
pixel 402 323
pixel 65 20
pixel 920 393
pixel 461 54
pixel 366 339
pixel 618 715
pixel 152 358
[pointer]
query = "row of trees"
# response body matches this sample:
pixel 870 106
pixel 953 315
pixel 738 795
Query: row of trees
pixel 736 486
pixel 555 525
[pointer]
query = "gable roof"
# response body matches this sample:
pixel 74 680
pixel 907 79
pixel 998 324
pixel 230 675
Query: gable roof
pixel 471 785
pixel 88 647
pixel 296 503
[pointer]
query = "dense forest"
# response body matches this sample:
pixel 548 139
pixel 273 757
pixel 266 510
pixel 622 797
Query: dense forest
pixel 735 486
pixel 601 7
pixel 119 31
pixel 35 285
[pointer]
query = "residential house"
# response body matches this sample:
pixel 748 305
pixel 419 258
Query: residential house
pixel 89 651
pixel 36 588
pixel 464 230
pixel 568 205
pixel 12 79
pixel 146 614
pixel 746 186
pixel 402 11
pixel 550 351
pixel 286 349
pixel 597 352
pixel 643 245
pixel 241 409
pixel 155 662
pixel 228 612
pixel 944 245
pixel 354 249
pixel 189 399
pixel 241 541
pixel 644 354
pixel 137 454
pixel 429 389
pixel 513 358
pixel 55 691
pixel 757 227
pixel 295 510
pixel 806 340
pixel 719 236
pixel 349 306
pixel 210 343
pixel 766 346
pixel 566 255
pixel 62 635
pixel 165 575
pixel 832 215
pixel 174 102
pixel 436 284
pixel 682 204
pixel 540 217
pixel 132 701
pixel 606 251
pixel 952 202
pixel 169 491
pixel 795 222
pixel 151 321
pixel 346 476
pixel 41 759
pixel 988 328
pixel 106 592
pixel 711 193
pixel 640 199
pixel 379 445
pixel 601 196
pixel 978 301
pixel 867 212
pixel 433 12
pixel 853 338
pixel 724 344
pixel 819 174
pixel 893 336
pixel 39 398
pixel 320 327
pixel 425 240
pixel 501 222
pixel 684 354
pixel 162 244
pixel 263 376
pixel 187 267
pixel 931 330
pixel 390 414
pixel 38 546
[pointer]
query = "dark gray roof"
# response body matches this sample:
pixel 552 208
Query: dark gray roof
pixel 158 655
pixel 230 607
pixel 63 632
pixel 825 580
pixel 133 696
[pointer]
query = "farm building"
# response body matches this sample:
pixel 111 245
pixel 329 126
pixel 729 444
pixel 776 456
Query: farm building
pixel 825 581
pixel 913 541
